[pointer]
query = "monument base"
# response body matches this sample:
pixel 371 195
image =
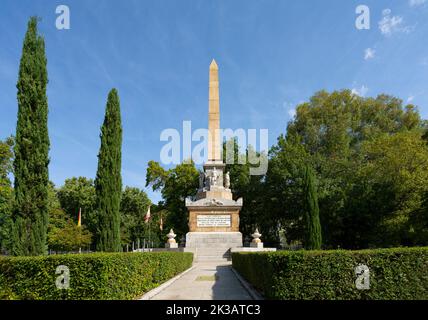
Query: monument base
pixel 212 246
pixel 258 245
pixel 171 245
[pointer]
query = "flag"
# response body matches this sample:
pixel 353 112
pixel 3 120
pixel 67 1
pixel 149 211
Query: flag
pixel 161 223
pixel 79 218
pixel 147 217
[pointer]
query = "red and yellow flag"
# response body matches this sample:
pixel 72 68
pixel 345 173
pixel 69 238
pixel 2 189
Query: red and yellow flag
pixel 147 216
pixel 79 218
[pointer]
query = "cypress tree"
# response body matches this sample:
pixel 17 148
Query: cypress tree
pixel 30 216
pixel 108 182
pixel 313 237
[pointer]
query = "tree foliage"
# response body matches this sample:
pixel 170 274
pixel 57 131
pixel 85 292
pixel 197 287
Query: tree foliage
pixel 31 149
pixel 250 188
pixel 370 158
pixel 6 192
pixel 108 182
pixel 133 208
pixel 175 185
pixel 313 238
pixel 79 193
pixel 64 234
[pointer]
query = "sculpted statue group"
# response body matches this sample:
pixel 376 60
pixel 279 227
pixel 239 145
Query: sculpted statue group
pixel 206 179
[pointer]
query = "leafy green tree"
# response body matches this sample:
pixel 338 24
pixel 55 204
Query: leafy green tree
pixel 108 182
pixel 175 185
pixel 418 225
pixel 31 149
pixel 53 201
pixel 6 191
pixel 284 187
pixel 64 234
pixel 394 173
pixel 79 193
pixel 337 134
pixel 160 216
pixel 344 138
pixel 251 189
pixel 313 236
pixel 6 159
pixel 133 208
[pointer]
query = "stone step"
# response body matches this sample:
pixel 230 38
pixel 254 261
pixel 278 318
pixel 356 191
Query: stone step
pixel 213 240
pixel 212 253
pixel 227 249
pixel 211 246
pixel 219 256
pixel 205 259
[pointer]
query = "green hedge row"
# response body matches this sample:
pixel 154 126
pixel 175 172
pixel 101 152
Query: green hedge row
pixel 100 276
pixel 394 274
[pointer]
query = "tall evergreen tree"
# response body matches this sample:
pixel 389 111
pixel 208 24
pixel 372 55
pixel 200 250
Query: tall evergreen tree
pixel 31 162
pixel 312 239
pixel 108 182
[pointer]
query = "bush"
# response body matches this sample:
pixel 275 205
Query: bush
pixel 395 274
pixel 99 276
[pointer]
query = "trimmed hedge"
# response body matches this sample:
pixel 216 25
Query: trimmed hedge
pixel 98 276
pixel 395 274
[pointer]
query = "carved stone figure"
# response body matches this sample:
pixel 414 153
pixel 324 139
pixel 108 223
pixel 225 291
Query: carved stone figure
pixel 214 176
pixel 201 180
pixel 208 181
pixel 214 202
pixel 227 180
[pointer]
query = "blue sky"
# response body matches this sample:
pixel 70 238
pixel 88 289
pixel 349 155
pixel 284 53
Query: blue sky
pixel 272 55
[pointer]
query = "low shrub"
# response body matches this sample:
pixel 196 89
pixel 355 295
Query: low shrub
pixel 394 274
pixel 98 276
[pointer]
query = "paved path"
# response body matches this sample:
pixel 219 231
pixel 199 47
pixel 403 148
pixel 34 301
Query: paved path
pixel 207 281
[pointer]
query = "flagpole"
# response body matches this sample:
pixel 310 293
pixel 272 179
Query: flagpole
pixel 147 220
pixel 80 230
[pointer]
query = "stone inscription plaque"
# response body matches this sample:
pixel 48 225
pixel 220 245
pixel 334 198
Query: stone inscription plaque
pixel 213 220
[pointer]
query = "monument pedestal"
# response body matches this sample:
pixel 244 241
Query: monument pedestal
pixel 214 215
pixel 214 228
pixel 203 240
pixel 212 246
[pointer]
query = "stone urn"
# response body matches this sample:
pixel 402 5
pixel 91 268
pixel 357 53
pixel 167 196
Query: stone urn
pixel 171 243
pixel 256 243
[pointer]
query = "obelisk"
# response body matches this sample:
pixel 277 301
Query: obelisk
pixel 213 214
pixel 214 147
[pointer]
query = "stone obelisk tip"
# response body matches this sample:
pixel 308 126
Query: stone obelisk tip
pixel 213 65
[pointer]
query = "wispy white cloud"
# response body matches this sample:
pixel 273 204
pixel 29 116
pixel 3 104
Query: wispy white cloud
pixel 410 98
pixel 369 53
pixel 390 24
pixel 416 3
pixel 97 60
pixel 362 91
pixel 290 109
